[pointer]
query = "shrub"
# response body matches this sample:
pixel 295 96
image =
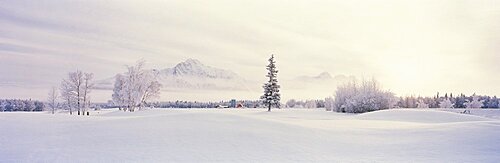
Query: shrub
pixel 354 98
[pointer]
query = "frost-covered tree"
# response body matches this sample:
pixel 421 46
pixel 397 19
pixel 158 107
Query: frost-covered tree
pixel 329 103
pixel 493 102
pixel 119 91
pixel 368 96
pixel 310 104
pixel 20 105
pixel 75 83
pixel 87 88
pixel 320 103
pixel 136 87
pixel 3 105
pixel 39 106
pixel 67 95
pixel 446 103
pixel 150 89
pixel 291 103
pixel 29 105
pixel 422 104
pixel 299 104
pixel 475 103
pixel 271 95
pixel 52 99
pixel 75 90
pixel 460 101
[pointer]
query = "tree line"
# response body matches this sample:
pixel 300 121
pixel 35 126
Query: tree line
pixel 8 105
pixel 449 101
pixel 353 97
pixel 446 101
pixel 293 103
pixel 196 104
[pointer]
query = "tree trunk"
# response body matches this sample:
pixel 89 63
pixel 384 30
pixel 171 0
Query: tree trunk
pixel 269 107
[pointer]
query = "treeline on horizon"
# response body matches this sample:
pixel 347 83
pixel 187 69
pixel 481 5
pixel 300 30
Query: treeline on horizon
pixel 21 105
pixel 197 104
pixel 403 102
pixel 458 101
pixel 437 101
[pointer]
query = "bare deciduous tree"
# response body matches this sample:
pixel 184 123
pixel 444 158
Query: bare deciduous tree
pixel 52 99
pixel 68 95
pixel 87 88
pixel 75 90
pixel 118 91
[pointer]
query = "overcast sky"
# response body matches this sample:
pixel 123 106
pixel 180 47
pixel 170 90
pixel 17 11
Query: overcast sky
pixel 412 47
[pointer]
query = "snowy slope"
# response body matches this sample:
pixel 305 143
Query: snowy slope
pixel 250 135
pixel 489 113
pixel 421 116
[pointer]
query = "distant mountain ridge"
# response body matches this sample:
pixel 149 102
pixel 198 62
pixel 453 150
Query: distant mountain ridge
pixel 191 74
pixel 321 76
pixel 194 68
pixel 194 74
pixel 325 76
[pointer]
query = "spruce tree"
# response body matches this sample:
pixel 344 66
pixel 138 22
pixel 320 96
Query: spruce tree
pixel 271 95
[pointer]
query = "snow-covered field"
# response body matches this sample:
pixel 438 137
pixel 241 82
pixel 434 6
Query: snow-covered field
pixel 250 135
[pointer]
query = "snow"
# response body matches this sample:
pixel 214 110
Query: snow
pixel 249 135
pixel 489 113
pixel 421 116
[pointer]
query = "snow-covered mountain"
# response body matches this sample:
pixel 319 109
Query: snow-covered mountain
pixel 322 84
pixel 322 76
pixel 192 74
pixel 194 68
pixel 325 77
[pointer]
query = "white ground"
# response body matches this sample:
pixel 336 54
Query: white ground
pixel 252 135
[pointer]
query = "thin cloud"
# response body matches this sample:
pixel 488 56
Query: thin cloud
pixel 424 44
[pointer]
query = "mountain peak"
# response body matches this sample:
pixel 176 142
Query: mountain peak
pixel 192 61
pixel 321 77
pixel 324 75
pixel 194 68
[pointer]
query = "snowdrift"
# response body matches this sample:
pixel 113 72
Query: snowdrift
pixel 248 135
pixel 420 116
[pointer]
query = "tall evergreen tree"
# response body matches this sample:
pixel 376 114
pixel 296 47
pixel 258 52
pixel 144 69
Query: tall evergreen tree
pixel 271 95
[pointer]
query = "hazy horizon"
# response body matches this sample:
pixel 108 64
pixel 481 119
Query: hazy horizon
pixel 410 47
